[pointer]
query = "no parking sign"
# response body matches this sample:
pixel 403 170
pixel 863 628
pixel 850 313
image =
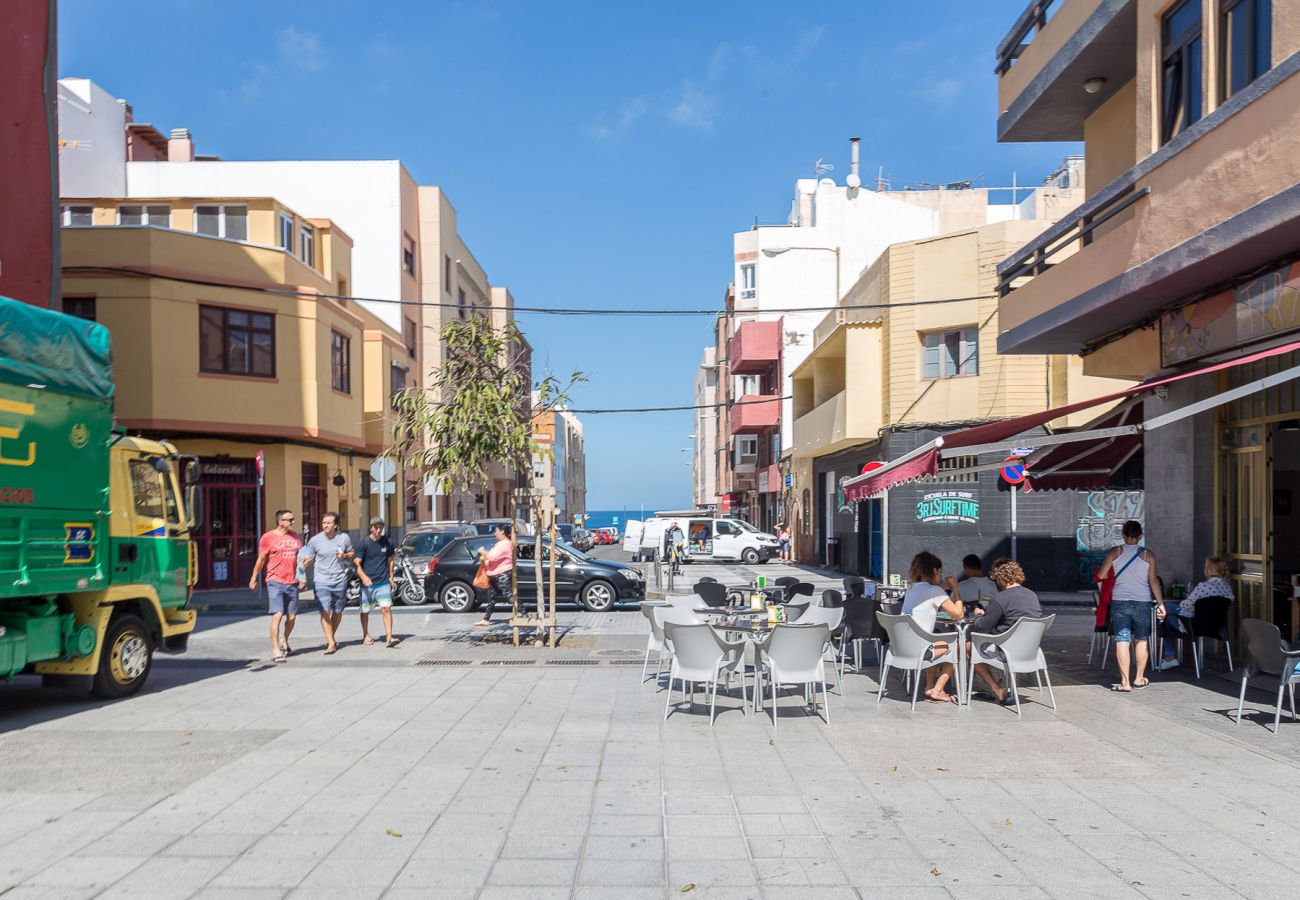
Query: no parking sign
pixel 1014 471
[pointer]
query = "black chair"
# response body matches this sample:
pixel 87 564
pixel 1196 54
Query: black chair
pixel 1210 621
pixel 859 625
pixel 801 589
pixel 786 581
pixel 1267 655
pixel 712 593
pixel 705 579
pixel 855 586
pixel 832 599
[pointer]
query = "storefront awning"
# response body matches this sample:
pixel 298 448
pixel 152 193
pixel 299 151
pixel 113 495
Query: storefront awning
pixel 1002 436
pixel 1089 462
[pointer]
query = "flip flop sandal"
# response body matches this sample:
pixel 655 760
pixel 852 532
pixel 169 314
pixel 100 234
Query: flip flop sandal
pixel 278 659
pixel 332 651
pixel 393 643
pixel 1142 685
pixel 1118 689
pixel 368 640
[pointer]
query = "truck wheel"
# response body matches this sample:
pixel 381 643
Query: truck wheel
pixel 457 596
pixel 749 556
pixel 124 659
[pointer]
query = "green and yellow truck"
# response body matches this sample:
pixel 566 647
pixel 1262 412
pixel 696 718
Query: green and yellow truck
pixel 96 556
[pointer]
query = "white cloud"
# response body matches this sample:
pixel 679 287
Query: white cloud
pixel 942 93
pixel 694 109
pixel 611 131
pixel 303 49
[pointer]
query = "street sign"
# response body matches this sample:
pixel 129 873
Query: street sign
pixel 383 468
pixel 432 488
pixel 872 466
pixel 261 467
pixel 1014 471
pixel 543 437
pixel 789 480
pixel 1021 452
pixel 386 488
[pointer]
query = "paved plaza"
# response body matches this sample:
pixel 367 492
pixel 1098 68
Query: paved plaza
pixel 458 766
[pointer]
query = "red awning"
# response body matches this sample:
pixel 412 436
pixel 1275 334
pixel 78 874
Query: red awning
pixel 1089 462
pixel 924 461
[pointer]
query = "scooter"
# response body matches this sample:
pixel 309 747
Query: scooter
pixel 407 587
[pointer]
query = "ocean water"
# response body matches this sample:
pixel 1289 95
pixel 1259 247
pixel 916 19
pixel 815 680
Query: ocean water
pixel 603 518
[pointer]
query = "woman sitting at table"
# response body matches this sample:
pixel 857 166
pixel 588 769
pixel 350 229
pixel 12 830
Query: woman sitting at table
pixel 923 601
pixel 1013 603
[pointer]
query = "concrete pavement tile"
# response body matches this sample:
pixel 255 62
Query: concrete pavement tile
pixel 711 873
pixel 225 846
pixel 812 872
pixel 257 872
pixel 533 872
pixel 702 826
pixel 707 848
pixel 431 893
pixel 1201 892
pixel 790 847
pixel 507 892
pixel 623 847
pixel 646 804
pixel 685 805
pixel 293 846
pixel 878 892
pixel 893 871
pixel 353 871
pixel 773 824
pixel 122 844
pixel 997 892
pixel 542 846
pixel 622 892
pixel 443 873
pixel 337 892
pixel 570 823
pixel 609 824
pixel 824 892
pixel 779 804
pixel 621 872
pixel 716 893
pixel 49 893
pixel 241 893
pixel 85 871
pixel 179 876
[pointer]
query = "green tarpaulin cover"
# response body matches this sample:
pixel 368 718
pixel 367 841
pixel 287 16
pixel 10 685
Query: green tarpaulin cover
pixel 61 353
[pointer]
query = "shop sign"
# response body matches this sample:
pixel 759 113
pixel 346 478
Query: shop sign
pixel 1259 308
pixel 948 506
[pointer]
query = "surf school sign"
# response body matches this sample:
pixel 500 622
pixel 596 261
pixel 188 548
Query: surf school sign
pixel 948 506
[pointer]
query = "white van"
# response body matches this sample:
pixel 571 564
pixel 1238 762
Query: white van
pixel 708 538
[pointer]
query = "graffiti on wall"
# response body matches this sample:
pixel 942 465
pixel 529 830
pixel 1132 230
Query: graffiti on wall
pixel 1101 519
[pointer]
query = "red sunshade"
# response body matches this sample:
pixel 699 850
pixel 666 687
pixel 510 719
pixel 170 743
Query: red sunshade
pixel 1085 464
pixel 925 461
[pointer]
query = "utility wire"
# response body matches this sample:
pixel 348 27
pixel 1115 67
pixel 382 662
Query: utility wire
pixel 646 409
pixel 539 310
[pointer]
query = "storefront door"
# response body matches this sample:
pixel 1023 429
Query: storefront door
pixel 227 540
pixel 1244 529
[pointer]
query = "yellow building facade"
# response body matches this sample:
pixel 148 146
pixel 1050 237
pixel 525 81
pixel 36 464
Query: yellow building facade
pixel 225 343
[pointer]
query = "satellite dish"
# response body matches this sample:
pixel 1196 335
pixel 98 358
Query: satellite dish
pixel 853 180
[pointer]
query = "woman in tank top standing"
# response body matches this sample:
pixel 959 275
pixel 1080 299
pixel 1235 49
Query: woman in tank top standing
pixel 1136 588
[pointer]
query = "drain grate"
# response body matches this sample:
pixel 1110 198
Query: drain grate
pixel 573 662
pixel 636 653
pixel 444 662
pixel 508 662
pixel 626 662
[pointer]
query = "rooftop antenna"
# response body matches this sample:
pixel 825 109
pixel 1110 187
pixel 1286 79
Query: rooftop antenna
pixel 821 168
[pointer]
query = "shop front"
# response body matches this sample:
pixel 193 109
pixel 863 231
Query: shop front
pixel 227 539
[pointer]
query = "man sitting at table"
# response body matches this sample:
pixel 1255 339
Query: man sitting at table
pixel 1013 602
pixel 974 585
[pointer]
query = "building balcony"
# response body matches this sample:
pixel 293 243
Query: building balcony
pixel 755 413
pixel 755 348
pixel 824 429
pixel 769 480
pixel 1043 62
pixel 1218 201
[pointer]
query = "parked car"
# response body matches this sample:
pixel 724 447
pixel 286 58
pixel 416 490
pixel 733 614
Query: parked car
pixel 582 539
pixel 708 538
pixel 421 543
pixel 487 526
pixel 611 534
pixel 596 584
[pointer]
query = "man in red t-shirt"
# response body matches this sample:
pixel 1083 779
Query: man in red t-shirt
pixel 278 552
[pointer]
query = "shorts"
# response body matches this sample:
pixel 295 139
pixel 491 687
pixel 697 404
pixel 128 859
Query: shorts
pixel 281 598
pixel 378 594
pixel 332 597
pixel 1130 620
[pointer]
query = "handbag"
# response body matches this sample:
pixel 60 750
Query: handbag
pixel 481 576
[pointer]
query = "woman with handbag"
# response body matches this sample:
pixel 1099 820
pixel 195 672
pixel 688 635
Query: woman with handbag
pixel 496 565
pixel 1136 587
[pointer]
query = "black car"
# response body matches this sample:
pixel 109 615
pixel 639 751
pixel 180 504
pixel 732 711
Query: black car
pixel 596 584
pixel 423 542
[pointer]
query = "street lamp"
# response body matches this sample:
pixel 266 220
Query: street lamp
pixel 771 252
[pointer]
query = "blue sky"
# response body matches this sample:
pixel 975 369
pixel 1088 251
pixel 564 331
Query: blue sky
pixel 598 154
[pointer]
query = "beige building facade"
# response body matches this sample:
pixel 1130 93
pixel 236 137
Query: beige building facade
pixel 1185 256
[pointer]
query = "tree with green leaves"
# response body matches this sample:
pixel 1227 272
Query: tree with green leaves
pixel 477 409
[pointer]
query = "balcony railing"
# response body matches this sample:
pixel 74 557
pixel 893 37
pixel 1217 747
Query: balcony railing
pixel 1036 257
pixel 753 413
pixel 1031 21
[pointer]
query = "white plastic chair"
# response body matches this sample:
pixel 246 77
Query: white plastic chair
pixel 908 643
pixel 654 641
pixel 1267 655
pixel 676 615
pixel 701 656
pixel 1015 651
pixel 831 617
pixel 794 655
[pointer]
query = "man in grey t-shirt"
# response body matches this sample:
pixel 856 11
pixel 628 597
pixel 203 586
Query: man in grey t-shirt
pixel 330 553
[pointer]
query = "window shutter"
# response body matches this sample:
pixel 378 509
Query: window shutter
pixel 930 356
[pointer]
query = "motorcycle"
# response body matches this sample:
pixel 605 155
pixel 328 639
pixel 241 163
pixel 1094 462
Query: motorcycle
pixel 407 586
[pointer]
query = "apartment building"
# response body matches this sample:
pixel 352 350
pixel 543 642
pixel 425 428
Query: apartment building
pixel 283 398
pixel 921 364
pixel 409 262
pixel 1183 264
pixel 565 469
pixel 785 278
pixel 704 462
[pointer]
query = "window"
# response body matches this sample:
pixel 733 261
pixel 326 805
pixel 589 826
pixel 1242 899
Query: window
pixel 236 342
pixel 396 382
pixel 746 445
pixel 1246 48
pixel 1180 95
pixel 408 254
pixel 146 489
pixel 222 221
pixel 748 281
pixel 412 333
pixel 460 303
pixel 79 216
pixel 746 385
pixel 947 354
pixel 286 231
pixel 307 246
pixel 340 362
pixel 726 528
pixel 446 274
pixel 81 307
pixel 159 216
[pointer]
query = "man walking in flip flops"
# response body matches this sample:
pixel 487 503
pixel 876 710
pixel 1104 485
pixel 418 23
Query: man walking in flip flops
pixel 374 562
